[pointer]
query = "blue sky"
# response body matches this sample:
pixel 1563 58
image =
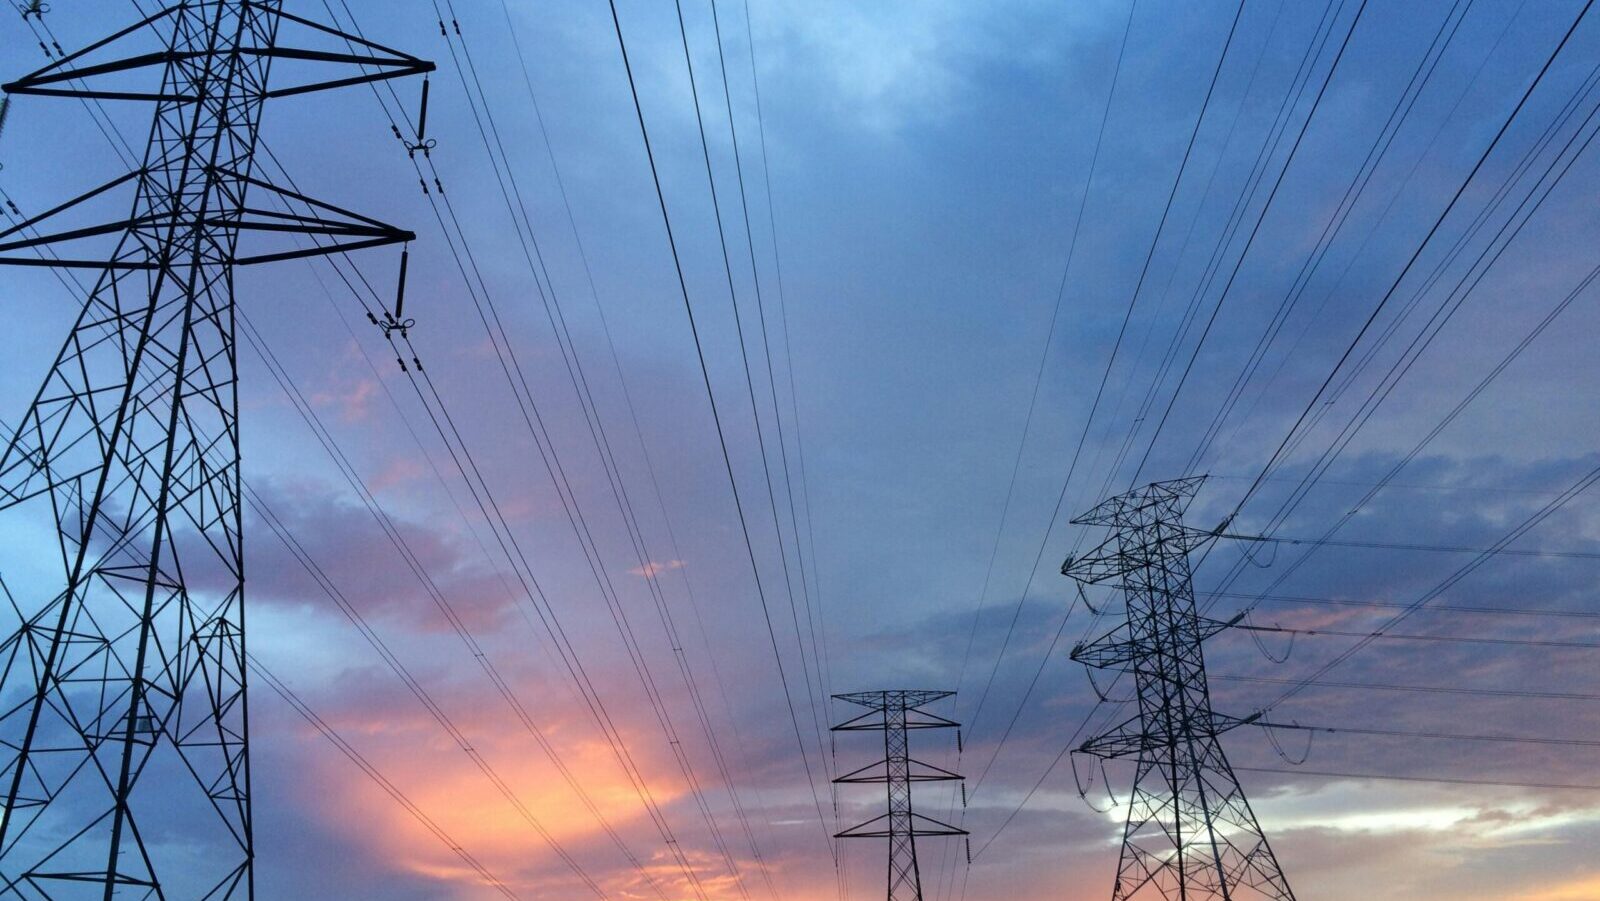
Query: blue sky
pixel 927 165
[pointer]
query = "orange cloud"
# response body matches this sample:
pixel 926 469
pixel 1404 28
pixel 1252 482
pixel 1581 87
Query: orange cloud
pixel 1583 889
pixel 446 782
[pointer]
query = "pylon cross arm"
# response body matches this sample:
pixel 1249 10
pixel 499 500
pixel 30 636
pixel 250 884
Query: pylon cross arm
pixel 1127 739
pixel 1131 737
pixel 879 827
pixel 1103 563
pixel 916 771
pixel 1113 650
pixel 341 229
pixel 65 77
pixel 1111 560
pixel 1117 511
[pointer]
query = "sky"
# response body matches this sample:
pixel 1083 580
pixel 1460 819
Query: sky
pixel 967 253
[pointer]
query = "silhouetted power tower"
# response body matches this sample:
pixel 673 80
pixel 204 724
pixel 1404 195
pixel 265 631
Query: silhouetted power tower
pixel 1190 833
pixel 896 714
pixel 123 712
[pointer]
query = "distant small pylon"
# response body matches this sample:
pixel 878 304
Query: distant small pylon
pixel 895 713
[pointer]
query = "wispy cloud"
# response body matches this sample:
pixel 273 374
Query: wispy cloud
pixel 652 569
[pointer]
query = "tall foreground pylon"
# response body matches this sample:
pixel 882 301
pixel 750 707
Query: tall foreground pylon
pixel 1190 833
pixel 896 714
pixel 124 740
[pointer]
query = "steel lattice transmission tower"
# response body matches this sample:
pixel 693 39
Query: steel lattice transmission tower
pixel 124 741
pixel 1190 833
pixel 896 714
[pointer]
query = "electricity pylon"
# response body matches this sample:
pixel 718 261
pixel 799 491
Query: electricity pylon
pixel 895 714
pixel 123 709
pixel 1190 833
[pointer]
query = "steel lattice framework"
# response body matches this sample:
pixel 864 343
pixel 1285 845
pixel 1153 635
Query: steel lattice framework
pixel 123 708
pixel 896 713
pixel 1190 833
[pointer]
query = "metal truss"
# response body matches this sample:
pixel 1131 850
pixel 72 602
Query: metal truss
pixel 896 714
pixel 1190 833
pixel 124 740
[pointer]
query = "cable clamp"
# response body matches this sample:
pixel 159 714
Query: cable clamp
pixel 389 324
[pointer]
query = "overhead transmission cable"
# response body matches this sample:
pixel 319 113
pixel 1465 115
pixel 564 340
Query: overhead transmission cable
pixel 1299 83
pixel 1403 365
pixel 816 703
pixel 1216 74
pixel 1343 212
pixel 397 538
pixel 603 450
pixel 1044 356
pixel 549 455
pixel 1255 231
pixel 623 381
pixel 1421 246
pixel 772 382
pixel 721 435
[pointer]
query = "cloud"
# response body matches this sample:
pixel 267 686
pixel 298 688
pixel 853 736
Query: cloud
pixel 652 569
pixel 1584 888
pixel 351 400
pixel 360 559
pixel 888 66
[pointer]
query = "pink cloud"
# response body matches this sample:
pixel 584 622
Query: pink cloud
pixel 352 401
pixel 652 569
pixel 396 472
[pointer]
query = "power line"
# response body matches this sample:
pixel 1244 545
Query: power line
pixel 1427 238
pixel 1027 422
pixel 1394 605
pixel 555 470
pixel 818 700
pixel 772 380
pixel 1437 735
pixel 298 551
pixel 1299 83
pixel 651 471
pixel 1437 780
pixel 841 871
pixel 603 449
pixel 1401 546
pixel 1155 241
pixel 1424 689
pixel 722 441
pixel 1368 637
pixel 1370 407
pixel 1283 173
pixel 1421 78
